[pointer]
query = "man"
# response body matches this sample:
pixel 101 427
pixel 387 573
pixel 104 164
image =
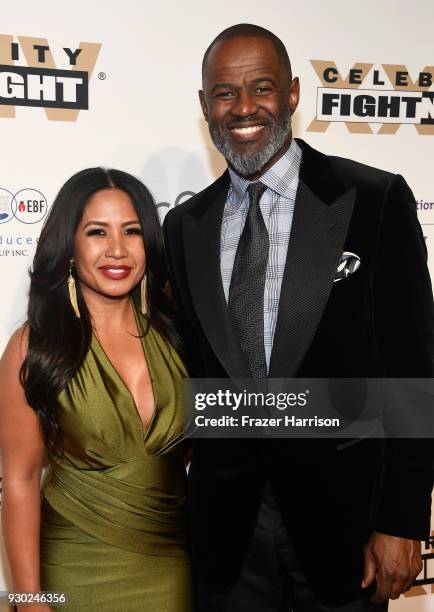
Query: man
pixel 309 524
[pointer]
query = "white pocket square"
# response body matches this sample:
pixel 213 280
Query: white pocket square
pixel 348 264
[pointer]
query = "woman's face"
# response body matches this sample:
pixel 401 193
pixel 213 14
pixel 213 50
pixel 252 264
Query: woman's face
pixel 109 254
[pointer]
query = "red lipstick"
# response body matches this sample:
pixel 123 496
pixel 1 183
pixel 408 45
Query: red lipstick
pixel 115 272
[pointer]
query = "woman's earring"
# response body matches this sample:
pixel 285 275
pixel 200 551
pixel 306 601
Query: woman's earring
pixel 73 292
pixel 143 294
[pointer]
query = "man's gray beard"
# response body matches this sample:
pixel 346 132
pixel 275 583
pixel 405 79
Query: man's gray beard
pixel 248 164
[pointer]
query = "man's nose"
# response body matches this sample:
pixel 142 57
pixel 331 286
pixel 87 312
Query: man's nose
pixel 245 105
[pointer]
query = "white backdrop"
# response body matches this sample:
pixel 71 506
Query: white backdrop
pixel 144 115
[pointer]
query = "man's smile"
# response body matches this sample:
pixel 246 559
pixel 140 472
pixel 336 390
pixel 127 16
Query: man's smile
pixel 246 133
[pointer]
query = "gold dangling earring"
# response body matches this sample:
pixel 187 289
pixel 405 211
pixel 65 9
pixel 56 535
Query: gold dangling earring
pixel 73 292
pixel 143 294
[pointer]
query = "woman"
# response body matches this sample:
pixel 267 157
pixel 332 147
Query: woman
pixel 93 381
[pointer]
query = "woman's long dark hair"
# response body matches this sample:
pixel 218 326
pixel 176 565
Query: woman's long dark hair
pixel 58 341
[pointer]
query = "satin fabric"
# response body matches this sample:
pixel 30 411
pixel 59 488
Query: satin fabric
pixel 114 502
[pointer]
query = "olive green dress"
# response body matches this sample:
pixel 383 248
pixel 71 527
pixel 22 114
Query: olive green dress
pixel 113 533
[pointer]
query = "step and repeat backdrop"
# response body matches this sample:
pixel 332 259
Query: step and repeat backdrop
pixel 115 84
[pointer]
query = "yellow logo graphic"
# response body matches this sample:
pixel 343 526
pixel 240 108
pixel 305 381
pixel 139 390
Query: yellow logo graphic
pixel 370 94
pixel 61 92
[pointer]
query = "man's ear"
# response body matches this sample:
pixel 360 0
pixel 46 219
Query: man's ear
pixel 294 94
pixel 203 104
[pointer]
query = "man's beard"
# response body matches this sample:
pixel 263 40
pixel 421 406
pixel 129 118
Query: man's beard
pixel 248 164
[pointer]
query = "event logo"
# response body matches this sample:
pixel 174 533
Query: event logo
pixel 422 205
pixel 6 199
pixel 384 94
pixel 426 577
pixel 61 92
pixel 180 199
pixel 27 205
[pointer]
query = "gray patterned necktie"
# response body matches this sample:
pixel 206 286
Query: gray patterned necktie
pixel 246 291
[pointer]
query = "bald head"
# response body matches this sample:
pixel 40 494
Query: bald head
pixel 248 30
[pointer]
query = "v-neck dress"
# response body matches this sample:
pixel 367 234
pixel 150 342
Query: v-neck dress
pixel 113 525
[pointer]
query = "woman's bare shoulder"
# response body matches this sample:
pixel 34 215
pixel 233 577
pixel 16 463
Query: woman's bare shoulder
pixel 16 348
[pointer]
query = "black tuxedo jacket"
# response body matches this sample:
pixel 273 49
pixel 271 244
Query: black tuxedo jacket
pixel 378 322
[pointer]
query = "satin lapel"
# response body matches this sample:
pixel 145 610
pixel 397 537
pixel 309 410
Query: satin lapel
pixel 202 255
pixel 317 237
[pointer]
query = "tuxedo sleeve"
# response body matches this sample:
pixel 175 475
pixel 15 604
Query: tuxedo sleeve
pixel 404 326
pixel 174 252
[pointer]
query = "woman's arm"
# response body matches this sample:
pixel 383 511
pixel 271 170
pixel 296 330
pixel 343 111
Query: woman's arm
pixel 22 455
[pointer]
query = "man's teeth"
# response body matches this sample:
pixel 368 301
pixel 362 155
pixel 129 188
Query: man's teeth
pixel 247 130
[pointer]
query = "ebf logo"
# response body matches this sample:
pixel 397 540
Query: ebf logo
pixel 61 92
pixel 27 206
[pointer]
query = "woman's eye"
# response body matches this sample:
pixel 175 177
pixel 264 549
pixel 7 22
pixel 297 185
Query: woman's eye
pixel 96 232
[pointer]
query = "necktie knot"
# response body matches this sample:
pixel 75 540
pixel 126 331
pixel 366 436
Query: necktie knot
pixel 255 191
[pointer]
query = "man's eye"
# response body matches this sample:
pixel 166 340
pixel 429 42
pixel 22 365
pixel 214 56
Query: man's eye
pixel 262 90
pixel 225 94
pixel 96 232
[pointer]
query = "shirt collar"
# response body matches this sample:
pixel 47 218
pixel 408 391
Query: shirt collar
pixel 279 177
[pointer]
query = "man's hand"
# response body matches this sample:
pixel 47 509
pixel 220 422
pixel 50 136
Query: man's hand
pixel 393 562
